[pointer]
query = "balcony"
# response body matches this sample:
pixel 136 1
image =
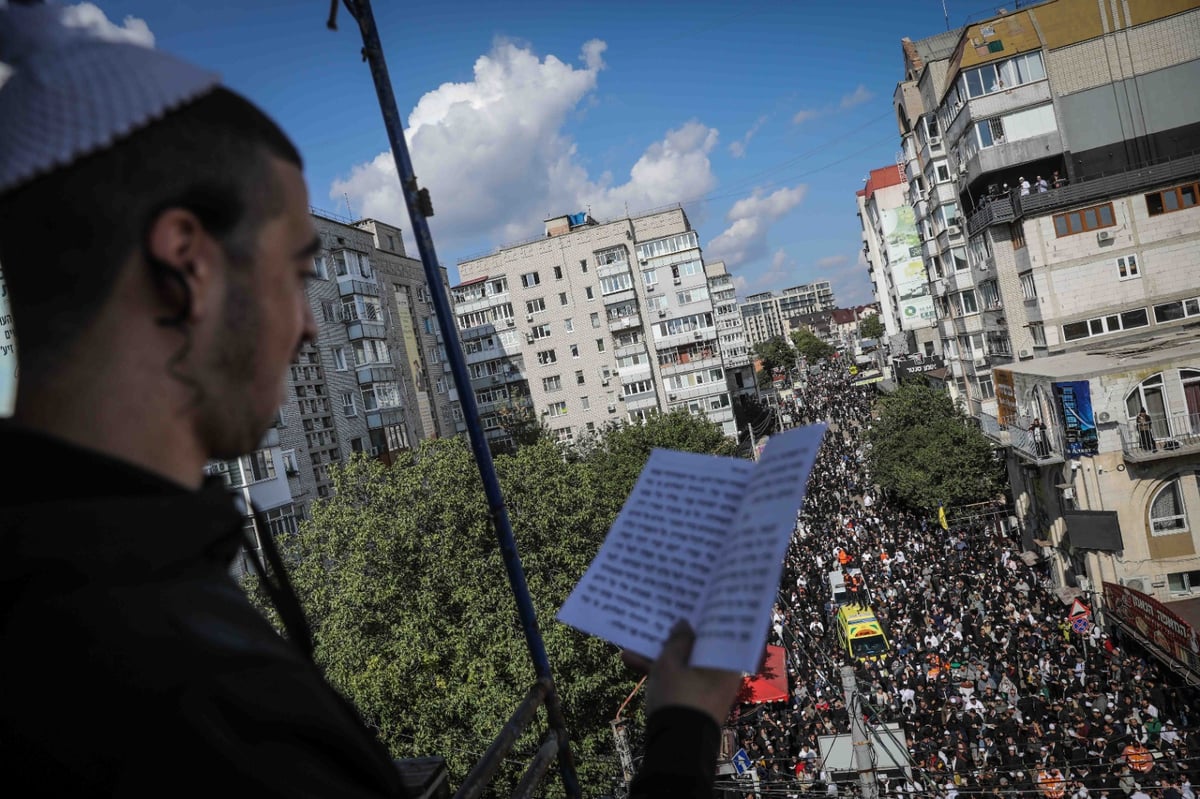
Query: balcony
pixel 994 211
pixel 1013 153
pixel 609 270
pixel 1021 441
pixel 1108 186
pixel 997 104
pixel 375 374
pixel 384 417
pixel 357 329
pixel 348 287
pixel 691 365
pixel 1170 436
pixel 624 295
pixel 629 349
pixel 624 322
pixel 637 402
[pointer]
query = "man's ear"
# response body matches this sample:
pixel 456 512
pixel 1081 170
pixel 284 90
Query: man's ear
pixel 178 243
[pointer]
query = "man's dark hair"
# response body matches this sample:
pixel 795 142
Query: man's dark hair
pixel 65 236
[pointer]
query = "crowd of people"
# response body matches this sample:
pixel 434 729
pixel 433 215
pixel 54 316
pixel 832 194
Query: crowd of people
pixel 992 691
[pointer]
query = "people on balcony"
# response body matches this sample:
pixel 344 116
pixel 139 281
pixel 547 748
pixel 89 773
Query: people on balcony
pixel 1145 431
pixel 1041 444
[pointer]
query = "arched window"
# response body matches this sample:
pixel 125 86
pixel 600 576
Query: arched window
pixel 1149 394
pixel 1167 514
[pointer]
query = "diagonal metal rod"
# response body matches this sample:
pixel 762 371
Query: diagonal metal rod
pixel 418 209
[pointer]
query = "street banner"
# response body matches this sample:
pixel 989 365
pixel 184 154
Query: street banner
pixel 902 245
pixel 1006 396
pixel 1079 423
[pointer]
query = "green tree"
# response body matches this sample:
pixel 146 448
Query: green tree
pixel 775 354
pixel 871 327
pixel 811 347
pixel 413 619
pixel 926 451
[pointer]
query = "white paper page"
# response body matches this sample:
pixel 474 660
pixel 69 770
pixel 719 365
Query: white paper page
pixel 654 566
pixel 732 630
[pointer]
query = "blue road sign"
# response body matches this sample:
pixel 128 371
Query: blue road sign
pixel 741 762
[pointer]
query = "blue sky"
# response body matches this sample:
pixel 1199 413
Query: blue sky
pixel 763 118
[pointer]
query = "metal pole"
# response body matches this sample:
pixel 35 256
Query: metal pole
pixel 419 208
pixel 858 736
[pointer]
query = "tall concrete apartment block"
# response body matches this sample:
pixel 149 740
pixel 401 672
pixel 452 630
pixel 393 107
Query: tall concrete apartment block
pixel 894 263
pixel 373 382
pixel 1057 183
pixel 765 315
pixel 730 330
pixel 593 323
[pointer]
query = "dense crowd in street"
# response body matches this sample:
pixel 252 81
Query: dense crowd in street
pixel 992 690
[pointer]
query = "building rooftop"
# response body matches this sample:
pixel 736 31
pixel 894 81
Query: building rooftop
pixel 1181 343
pixel 882 178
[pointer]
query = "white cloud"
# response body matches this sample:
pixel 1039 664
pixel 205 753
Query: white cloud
pixel 860 95
pixel 832 261
pixel 738 148
pixel 91 18
pixel 750 219
pixel 493 154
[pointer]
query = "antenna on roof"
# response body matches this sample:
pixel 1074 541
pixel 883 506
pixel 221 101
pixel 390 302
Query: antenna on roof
pixel 946 14
pixel 349 211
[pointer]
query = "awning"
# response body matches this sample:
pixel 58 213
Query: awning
pixel 1094 529
pixel 770 684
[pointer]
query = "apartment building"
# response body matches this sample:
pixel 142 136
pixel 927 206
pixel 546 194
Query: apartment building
pixel 592 323
pixel 1063 140
pixel 373 382
pixel 893 253
pixel 765 315
pixel 735 354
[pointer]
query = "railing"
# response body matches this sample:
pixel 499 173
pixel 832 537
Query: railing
pixel 1168 436
pixel 1048 450
pixel 994 211
pixel 1105 186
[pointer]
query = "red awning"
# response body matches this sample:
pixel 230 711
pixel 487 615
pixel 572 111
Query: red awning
pixel 770 684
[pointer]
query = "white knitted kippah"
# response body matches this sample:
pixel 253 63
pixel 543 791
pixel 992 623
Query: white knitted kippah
pixel 71 94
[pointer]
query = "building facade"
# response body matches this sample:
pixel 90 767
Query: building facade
pixel 373 381
pixel 765 315
pixel 593 323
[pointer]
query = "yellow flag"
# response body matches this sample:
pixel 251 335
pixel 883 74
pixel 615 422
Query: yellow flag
pixel 942 517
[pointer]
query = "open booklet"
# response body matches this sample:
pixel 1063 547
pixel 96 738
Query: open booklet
pixel 702 538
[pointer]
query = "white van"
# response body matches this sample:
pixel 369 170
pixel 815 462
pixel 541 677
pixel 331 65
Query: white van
pixel 837 588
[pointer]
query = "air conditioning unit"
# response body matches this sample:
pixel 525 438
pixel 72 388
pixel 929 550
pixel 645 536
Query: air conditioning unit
pixel 605 382
pixel 677 281
pixel 1068 493
pixel 1023 354
pixel 922 195
pixel 529 338
pixel 671 397
pixel 1105 235
pixel 662 313
pixel 643 261
pixel 613 408
pixel 512 322
pixel 935 141
pixel 954 230
pixel 373 452
pixel 962 168
pixel 1104 416
pixel 1136 583
pixel 529 317
pixel 697 334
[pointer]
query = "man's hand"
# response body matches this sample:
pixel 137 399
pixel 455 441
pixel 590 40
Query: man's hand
pixel 674 683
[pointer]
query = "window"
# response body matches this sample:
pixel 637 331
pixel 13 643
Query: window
pixel 968 304
pixel 1149 395
pixel 618 282
pixel 536 305
pixel 530 279
pixel 558 273
pixel 540 331
pixel 1174 199
pixel 989 292
pixel 557 408
pixel 1016 233
pixel 959 255
pixel 1111 323
pixel 1174 311
pixel 1038 331
pixel 1167 514
pixel 1127 267
pixel 1083 220
pixel 569 325
pixel 1183 582
pixel 442 385
pixel 986 390
pixel 599 345
pixel 563 299
pixel 547 357
pixel 591 293
pixel 942 170
pixel 574 350
pixel 990 132
pixel 595 319
pixel 348 406
pixel 1000 75
pixel 637 387
pixel 585 403
pixel 339 358
pixel 583 265
pixel 552 383
pixel 650 277
pixel 380 395
pixel 330 311
pixel 320 268
pixel 1028 286
pixel 290 464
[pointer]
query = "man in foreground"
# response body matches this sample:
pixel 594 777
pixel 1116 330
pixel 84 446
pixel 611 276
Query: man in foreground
pixel 156 242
